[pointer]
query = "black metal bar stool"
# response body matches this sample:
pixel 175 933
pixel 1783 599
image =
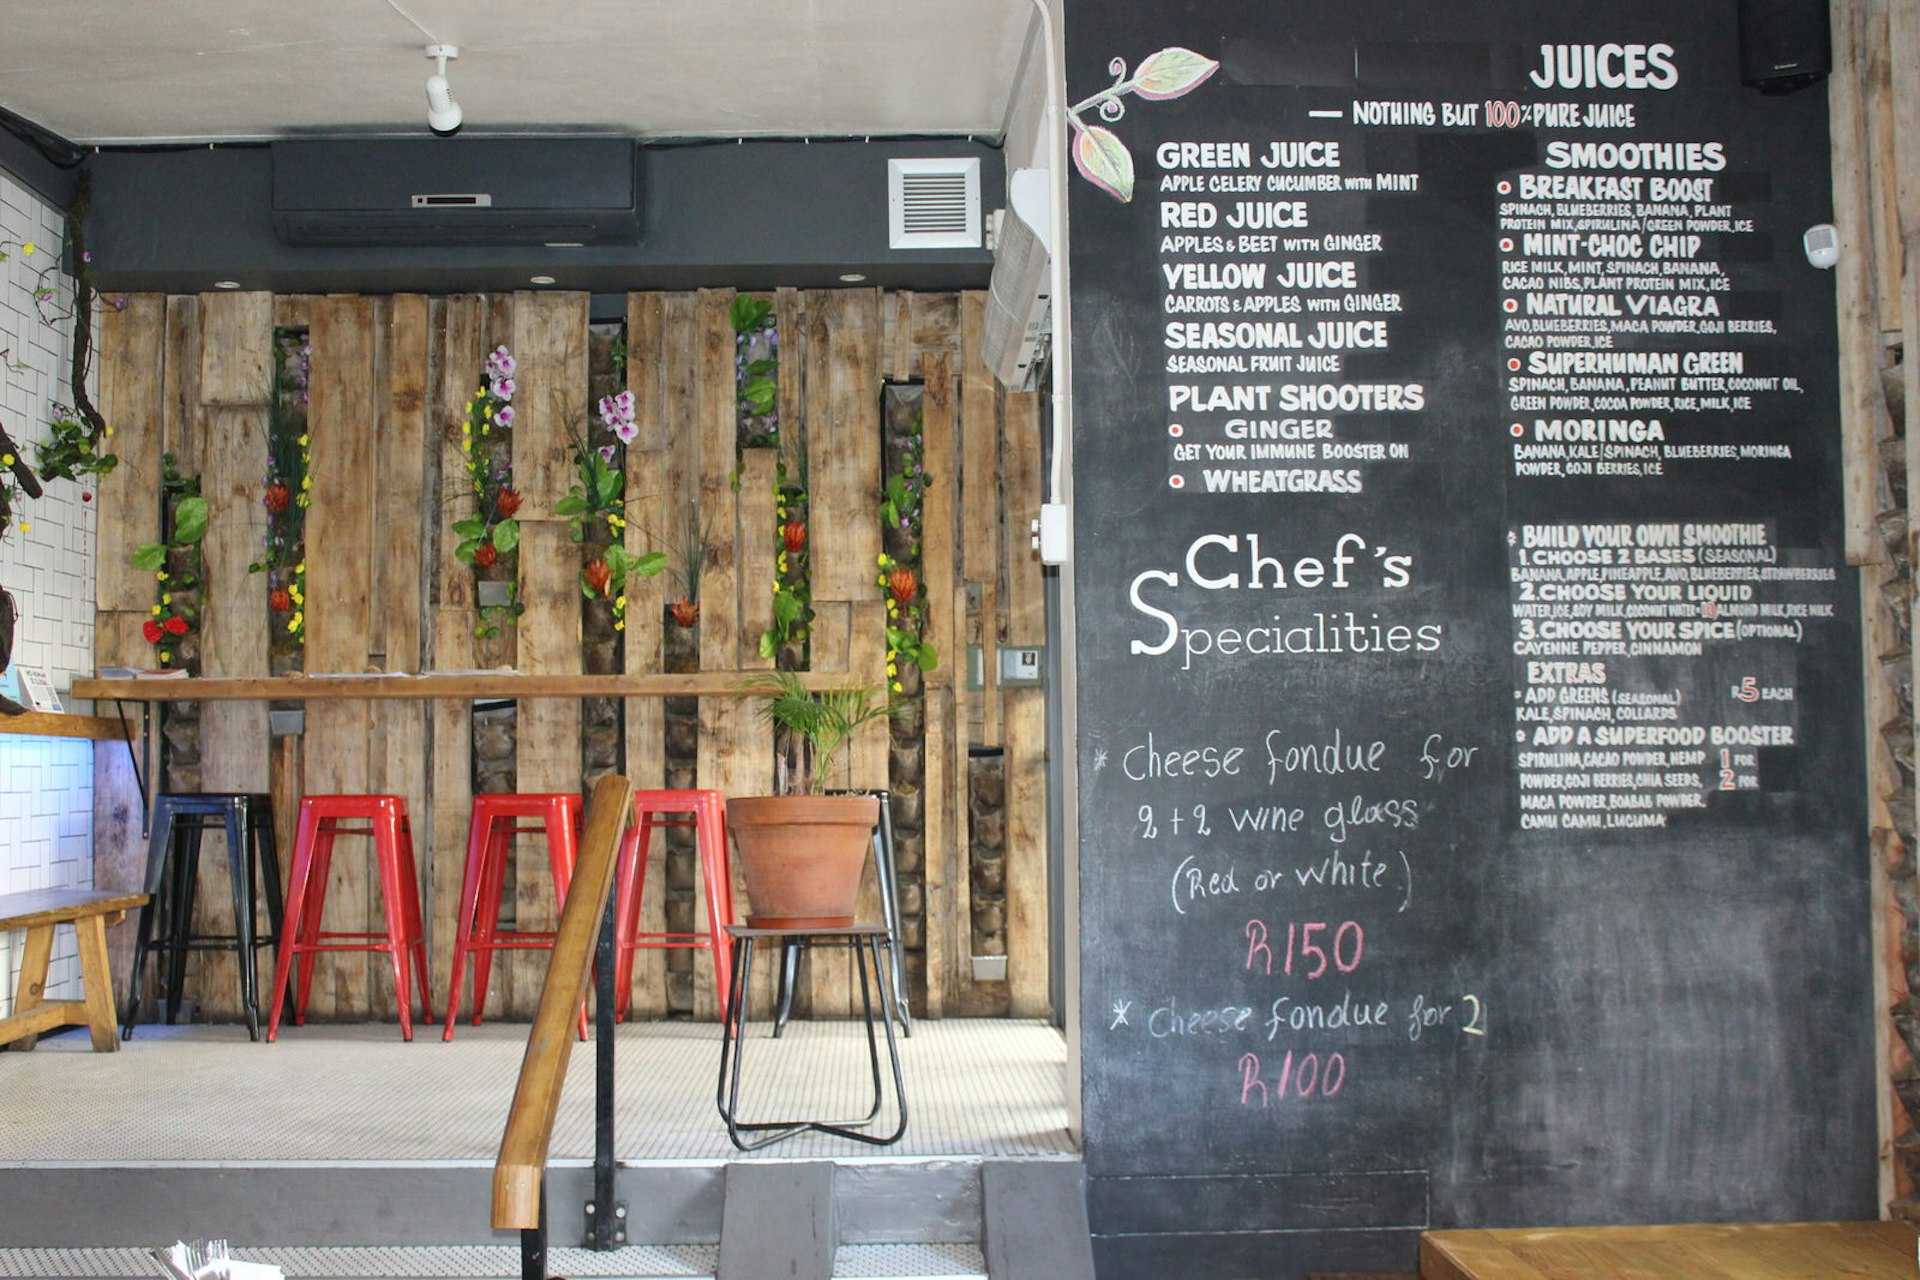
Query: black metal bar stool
pixel 867 942
pixel 889 878
pixel 173 865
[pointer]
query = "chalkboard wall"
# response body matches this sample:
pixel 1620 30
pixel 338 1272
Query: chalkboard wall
pixel 1469 685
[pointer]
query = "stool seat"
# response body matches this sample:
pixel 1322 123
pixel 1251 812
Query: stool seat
pixel 172 885
pixel 496 818
pixel 321 821
pixel 706 813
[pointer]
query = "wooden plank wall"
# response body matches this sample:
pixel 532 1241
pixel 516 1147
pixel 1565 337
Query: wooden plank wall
pixel 1874 114
pixel 389 383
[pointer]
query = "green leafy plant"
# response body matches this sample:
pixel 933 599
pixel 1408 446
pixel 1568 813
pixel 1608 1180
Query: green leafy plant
pixel 286 491
pixel 756 366
pixel 792 581
pixel 71 450
pixel 490 537
pixel 818 724
pixel 175 563
pixel 901 521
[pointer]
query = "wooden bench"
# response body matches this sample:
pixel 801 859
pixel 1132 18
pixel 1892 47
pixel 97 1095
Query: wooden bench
pixel 1713 1251
pixel 89 911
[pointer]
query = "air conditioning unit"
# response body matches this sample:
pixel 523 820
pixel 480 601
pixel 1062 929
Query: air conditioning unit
pixel 1019 293
pixel 456 191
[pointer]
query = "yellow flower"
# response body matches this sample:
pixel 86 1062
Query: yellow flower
pixel 306 482
pixel 26 526
pixel 109 430
pixel 301 567
pixel 27 248
pixel 895 686
pixel 881 560
pixel 293 623
pixel 619 624
pixel 619 602
pixel 6 459
pixel 161 576
pixel 303 441
pixel 156 611
pixel 165 656
pixel 892 670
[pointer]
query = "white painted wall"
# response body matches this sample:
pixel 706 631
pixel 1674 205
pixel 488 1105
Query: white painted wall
pixel 46 562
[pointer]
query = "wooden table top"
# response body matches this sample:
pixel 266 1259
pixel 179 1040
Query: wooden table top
pixel 1718 1251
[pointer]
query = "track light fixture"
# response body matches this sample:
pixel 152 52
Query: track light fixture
pixel 443 113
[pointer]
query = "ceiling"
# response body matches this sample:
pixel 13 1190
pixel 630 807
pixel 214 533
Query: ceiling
pixel 106 72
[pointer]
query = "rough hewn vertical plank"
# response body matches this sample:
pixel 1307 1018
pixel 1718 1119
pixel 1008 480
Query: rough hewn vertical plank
pixel 790 321
pixel 647 512
pixel 980 502
pixel 1862 403
pixel 179 433
pixel 119 850
pixel 938 551
pixel 827 974
pixel 896 339
pixel 462 343
pixel 870 752
pixel 236 373
pixel 936 326
pixel 939 865
pixel 1020 488
pixel 958 976
pixel 550 348
pixel 843 441
pixel 402 516
pixel 236 336
pixel 946 740
pixel 131 349
pixel 340 551
pixel 714 428
pixel 1026 852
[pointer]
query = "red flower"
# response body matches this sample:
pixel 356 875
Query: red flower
pixel 485 554
pixel 686 612
pixel 281 600
pixel 903 585
pixel 175 626
pixel 597 575
pixel 794 534
pixel 508 502
pixel 151 630
pixel 277 497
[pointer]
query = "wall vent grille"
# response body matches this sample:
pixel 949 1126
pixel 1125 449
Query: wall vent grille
pixel 933 204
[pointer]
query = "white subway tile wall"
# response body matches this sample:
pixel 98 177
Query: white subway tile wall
pixel 46 562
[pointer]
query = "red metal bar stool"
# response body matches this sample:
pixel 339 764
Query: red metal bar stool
pixel 496 820
pixel 707 814
pixel 321 819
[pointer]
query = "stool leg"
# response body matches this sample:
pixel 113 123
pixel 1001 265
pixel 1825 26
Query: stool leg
pixel 789 973
pixel 386 837
pixel 292 918
pixel 186 886
pixel 499 849
pixel 159 839
pixel 308 927
pixel 465 923
pixel 629 887
pixel 417 929
pixel 238 867
pixel 710 830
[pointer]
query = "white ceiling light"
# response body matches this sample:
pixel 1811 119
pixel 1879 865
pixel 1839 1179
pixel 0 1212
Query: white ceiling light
pixel 443 113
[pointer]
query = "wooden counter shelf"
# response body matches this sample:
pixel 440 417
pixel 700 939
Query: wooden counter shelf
pixel 48 724
pixel 375 687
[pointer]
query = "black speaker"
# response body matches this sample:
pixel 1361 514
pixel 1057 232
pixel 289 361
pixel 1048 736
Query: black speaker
pixel 1784 44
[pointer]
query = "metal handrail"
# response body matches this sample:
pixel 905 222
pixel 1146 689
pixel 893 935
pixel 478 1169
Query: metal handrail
pixel 519 1170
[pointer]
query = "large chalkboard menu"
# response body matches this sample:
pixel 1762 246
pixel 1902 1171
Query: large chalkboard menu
pixel 1472 825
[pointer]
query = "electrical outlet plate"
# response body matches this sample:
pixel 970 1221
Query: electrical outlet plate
pixel 1022 666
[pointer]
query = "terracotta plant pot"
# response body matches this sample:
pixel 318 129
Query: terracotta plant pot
pixel 802 857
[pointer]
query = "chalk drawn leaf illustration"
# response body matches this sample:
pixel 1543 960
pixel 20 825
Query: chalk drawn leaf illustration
pixel 1098 153
pixel 1171 73
pixel 1104 160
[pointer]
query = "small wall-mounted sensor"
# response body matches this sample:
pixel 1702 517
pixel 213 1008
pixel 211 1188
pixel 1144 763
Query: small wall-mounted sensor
pixel 1822 245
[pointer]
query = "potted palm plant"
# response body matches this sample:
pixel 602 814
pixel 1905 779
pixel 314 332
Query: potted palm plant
pixel 802 851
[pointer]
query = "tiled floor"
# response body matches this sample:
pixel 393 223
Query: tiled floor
pixel 359 1093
